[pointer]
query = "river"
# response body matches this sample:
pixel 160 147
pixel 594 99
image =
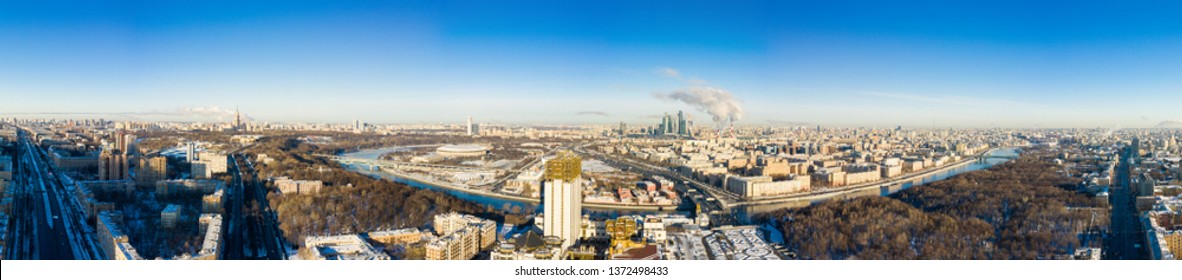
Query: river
pixel 746 212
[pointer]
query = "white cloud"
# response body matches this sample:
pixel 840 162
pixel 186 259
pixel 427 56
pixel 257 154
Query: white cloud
pixel 669 72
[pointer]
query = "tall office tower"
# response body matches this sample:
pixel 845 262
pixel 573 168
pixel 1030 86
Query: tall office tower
pixel 151 170
pixel 1136 148
pixel 562 198
pixel 666 124
pixel 623 130
pixel 469 127
pixel 672 127
pixel 681 123
pixel 112 165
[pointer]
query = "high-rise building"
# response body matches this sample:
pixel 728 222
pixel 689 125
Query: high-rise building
pixel 674 126
pixel 209 164
pixel 563 198
pixel 681 129
pixel 128 146
pixel 1136 149
pixel 623 130
pixel 168 217
pixel 671 125
pixel 473 129
pixel 198 170
pixel 112 165
pixel 237 120
pixel 151 170
pixel 190 152
pixel 123 141
pixel 117 140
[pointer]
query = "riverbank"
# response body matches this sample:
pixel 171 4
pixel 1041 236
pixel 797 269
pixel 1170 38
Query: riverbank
pixel 801 199
pixel 867 188
pixel 522 199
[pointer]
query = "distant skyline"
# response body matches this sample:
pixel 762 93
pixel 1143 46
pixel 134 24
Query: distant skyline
pixel 830 63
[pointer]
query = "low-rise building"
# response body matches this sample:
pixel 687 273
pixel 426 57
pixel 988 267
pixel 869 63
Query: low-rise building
pixel 760 186
pixel 212 203
pixel 110 236
pixel 340 247
pixel 461 236
pixel 211 245
pixel 288 186
pixel 170 215
pixel 169 188
pixel 689 242
pixel 484 229
pixel 529 246
pixel 400 236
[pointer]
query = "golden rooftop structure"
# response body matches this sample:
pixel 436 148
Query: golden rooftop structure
pixel 566 166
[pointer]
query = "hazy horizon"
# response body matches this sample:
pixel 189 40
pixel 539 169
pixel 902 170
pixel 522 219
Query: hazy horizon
pixel 880 64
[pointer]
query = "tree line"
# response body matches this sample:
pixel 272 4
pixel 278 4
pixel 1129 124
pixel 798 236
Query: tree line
pixel 1023 209
pixel 349 202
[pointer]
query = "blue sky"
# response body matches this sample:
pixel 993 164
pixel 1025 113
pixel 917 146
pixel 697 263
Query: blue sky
pixel 838 63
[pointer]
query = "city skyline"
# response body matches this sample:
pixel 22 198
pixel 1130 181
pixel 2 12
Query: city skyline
pixel 994 64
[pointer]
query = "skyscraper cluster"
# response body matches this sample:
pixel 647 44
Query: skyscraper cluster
pixel 681 126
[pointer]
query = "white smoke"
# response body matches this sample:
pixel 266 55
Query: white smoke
pixel 1114 128
pixel 719 103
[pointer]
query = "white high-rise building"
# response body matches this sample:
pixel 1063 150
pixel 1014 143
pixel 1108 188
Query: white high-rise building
pixel 190 152
pixel 563 198
pixel 469 127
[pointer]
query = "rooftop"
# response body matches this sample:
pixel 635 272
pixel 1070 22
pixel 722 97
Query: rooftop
pixel 172 208
pixel 342 247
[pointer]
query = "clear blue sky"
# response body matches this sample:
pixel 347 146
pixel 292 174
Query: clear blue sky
pixel 847 63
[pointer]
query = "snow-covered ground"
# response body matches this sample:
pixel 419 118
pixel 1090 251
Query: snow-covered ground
pixel 596 166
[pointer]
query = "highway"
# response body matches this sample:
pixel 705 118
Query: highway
pixel 253 232
pixel 719 212
pixel 1126 241
pixel 47 222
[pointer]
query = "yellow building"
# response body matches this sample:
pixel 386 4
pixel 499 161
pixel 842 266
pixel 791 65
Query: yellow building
pixel 622 231
pixel 402 236
pixel 1174 241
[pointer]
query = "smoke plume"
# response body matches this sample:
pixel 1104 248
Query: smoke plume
pixel 1169 124
pixel 719 103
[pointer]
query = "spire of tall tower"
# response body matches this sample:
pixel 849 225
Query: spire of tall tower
pixel 237 118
